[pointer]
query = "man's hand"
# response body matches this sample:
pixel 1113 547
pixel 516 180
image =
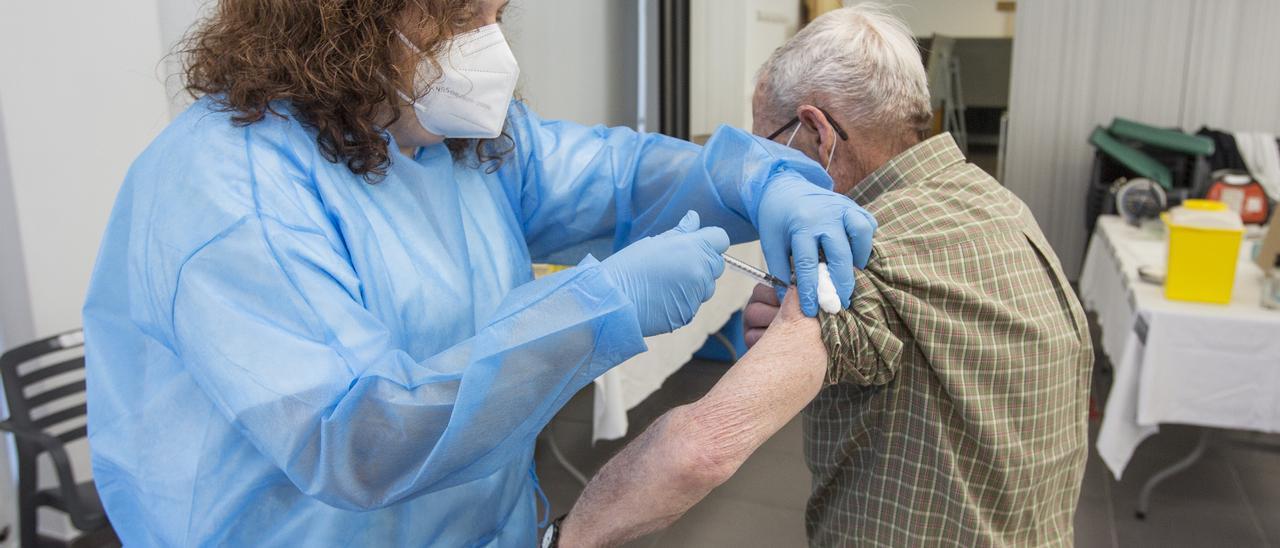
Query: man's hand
pixel 760 312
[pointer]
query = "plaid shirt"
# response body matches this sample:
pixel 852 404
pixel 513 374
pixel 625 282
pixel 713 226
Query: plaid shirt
pixel 956 413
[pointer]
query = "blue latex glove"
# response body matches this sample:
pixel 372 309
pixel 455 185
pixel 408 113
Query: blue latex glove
pixel 668 276
pixel 797 217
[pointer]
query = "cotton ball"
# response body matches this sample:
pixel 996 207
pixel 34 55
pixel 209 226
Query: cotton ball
pixel 828 300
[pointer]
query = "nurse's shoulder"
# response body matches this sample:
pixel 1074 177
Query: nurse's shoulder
pixel 535 141
pixel 528 130
pixel 206 172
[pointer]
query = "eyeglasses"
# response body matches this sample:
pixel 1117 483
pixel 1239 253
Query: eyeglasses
pixel 839 130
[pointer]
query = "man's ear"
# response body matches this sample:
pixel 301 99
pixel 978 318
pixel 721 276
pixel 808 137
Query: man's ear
pixel 813 119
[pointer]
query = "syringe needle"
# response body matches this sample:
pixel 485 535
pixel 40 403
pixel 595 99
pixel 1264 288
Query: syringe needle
pixel 755 273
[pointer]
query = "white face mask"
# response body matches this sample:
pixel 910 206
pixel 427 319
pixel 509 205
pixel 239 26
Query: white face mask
pixel 467 96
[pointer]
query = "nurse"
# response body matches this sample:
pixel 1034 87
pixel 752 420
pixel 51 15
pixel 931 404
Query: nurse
pixel 313 320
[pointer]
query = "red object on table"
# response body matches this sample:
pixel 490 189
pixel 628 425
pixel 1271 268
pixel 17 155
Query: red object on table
pixel 1243 195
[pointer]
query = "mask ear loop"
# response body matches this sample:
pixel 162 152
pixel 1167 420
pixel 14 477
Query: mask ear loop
pixel 408 42
pixel 414 48
pixel 793 133
pixel 831 155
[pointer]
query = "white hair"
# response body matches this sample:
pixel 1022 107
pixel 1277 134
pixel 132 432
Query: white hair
pixel 859 62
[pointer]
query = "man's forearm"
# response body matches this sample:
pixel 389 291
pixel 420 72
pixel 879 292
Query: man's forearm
pixel 692 449
pixel 645 487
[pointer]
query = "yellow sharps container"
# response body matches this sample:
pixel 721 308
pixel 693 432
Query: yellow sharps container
pixel 1204 247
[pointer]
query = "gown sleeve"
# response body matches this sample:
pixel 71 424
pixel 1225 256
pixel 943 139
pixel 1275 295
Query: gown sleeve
pixel 582 189
pixel 269 320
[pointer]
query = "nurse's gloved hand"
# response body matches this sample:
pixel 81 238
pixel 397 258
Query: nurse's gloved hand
pixel 668 276
pixel 796 218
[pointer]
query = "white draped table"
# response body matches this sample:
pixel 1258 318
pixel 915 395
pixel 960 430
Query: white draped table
pixel 1175 362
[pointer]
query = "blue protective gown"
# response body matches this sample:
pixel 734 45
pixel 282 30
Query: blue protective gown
pixel 279 353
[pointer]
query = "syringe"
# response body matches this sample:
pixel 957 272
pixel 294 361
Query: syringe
pixel 755 273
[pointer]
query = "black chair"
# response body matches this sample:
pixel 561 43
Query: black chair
pixel 39 379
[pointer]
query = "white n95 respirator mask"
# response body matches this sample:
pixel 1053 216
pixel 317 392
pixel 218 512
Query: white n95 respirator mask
pixel 468 94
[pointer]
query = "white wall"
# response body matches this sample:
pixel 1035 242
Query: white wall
pixel 15 314
pixel 15 321
pixel 718 75
pixel 959 18
pixel 577 58
pixel 728 42
pixel 81 96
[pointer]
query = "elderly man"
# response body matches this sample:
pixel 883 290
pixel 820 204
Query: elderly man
pixel 958 378
pixel 954 405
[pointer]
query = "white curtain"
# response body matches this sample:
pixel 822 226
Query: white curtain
pixel 1078 64
pixel 1232 66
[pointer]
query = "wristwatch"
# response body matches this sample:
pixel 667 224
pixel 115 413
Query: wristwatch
pixel 551 537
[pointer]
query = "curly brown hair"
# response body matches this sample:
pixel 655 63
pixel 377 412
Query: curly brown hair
pixel 337 63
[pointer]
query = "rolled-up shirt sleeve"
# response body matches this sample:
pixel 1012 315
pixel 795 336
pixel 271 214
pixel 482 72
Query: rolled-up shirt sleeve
pixel 862 348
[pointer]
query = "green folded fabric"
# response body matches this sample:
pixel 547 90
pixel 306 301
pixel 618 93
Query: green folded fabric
pixel 1135 160
pixel 1167 139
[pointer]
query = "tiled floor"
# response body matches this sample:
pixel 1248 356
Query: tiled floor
pixel 1230 498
